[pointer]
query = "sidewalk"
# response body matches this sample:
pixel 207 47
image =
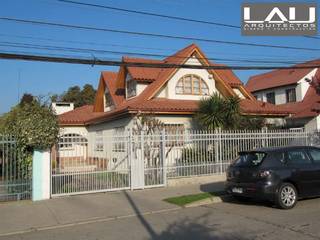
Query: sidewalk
pixel 26 215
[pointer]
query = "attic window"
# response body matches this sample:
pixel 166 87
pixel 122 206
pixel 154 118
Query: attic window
pixel 192 85
pixel 107 99
pixel 131 88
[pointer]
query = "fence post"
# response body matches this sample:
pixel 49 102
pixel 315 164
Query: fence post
pixel 217 148
pixel 129 149
pixel 41 175
pixel 163 156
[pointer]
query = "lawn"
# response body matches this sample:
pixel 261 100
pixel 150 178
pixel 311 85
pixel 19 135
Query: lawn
pixel 186 199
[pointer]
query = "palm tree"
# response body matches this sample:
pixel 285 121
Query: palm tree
pixel 215 112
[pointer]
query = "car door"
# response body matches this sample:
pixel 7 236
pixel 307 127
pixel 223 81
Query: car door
pixel 303 171
pixel 314 153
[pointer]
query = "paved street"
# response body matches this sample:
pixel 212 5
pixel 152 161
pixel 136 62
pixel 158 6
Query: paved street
pixel 227 220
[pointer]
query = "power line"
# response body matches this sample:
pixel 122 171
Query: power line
pixel 87 50
pixel 96 61
pixel 79 27
pixel 125 45
pixel 150 14
pixel 153 14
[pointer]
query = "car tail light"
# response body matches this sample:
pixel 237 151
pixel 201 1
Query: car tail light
pixel 264 174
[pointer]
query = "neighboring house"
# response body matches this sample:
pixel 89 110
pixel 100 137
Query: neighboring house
pixel 290 90
pixel 170 94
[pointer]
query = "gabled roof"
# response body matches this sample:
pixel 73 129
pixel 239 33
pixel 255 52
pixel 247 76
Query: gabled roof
pixel 156 79
pixel 117 94
pixel 280 77
pixel 143 74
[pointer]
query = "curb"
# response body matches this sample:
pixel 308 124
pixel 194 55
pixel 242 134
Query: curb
pixel 207 201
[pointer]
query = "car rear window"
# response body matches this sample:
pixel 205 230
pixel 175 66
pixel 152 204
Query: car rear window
pixel 249 159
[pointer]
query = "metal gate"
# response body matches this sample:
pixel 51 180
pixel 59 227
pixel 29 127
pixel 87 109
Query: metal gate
pixel 15 171
pixel 98 163
pixel 148 161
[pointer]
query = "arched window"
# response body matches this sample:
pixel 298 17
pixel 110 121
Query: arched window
pixel 192 85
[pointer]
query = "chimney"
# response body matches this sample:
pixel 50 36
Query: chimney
pixel 62 107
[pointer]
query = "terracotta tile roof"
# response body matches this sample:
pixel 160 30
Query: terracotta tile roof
pixel 261 108
pixel 110 79
pixel 280 77
pixel 157 77
pixel 228 76
pixel 309 107
pixel 78 116
pixel 143 74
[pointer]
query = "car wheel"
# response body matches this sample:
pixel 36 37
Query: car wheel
pixel 287 196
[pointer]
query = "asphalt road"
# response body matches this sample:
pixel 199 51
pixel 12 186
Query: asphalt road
pixel 227 220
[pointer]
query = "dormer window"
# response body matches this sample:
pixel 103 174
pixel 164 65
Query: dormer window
pixel 107 99
pixel 192 85
pixel 131 88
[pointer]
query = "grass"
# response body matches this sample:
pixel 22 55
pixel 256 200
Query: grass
pixel 186 199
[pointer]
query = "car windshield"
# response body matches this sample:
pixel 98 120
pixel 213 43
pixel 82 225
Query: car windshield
pixel 249 159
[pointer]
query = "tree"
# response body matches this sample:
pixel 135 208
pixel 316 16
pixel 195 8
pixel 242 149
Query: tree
pixel 77 96
pixel 215 112
pixel 33 125
pixel 27 98
pixel 73 95
pixel 88 94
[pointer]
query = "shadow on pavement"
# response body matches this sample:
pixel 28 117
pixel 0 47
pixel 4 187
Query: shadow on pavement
pixel 195 228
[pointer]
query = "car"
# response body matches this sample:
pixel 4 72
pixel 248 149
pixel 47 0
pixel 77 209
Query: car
pixel 278 174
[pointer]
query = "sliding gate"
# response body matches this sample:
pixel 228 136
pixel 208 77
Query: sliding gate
pixel 101 163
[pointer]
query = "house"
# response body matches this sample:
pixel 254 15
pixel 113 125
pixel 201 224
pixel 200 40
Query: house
pixel 290 90
pixel 170 94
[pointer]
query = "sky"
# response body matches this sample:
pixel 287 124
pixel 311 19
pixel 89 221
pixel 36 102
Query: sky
pixel 44 79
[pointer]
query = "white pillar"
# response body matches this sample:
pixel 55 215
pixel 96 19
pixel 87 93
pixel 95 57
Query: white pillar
pixel 41 175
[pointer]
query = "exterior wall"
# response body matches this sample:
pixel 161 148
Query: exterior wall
pixel 239 94
pixel 279 122
pixel 141 87
pixel 73 130
pixel 186 120
pixel 313 124
pixel 65 107
pixel 303 85
pixel 280 92
pixel 170 89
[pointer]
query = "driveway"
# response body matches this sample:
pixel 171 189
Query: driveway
pixel 227 220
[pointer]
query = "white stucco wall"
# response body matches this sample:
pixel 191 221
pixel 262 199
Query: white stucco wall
pixel 141 87
pixel 186 120
pixel 170 90
pixel 280 94
pixel 238 92
pixel 74 130
pixel 313 124
pixel 301 87
pixel 60 108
